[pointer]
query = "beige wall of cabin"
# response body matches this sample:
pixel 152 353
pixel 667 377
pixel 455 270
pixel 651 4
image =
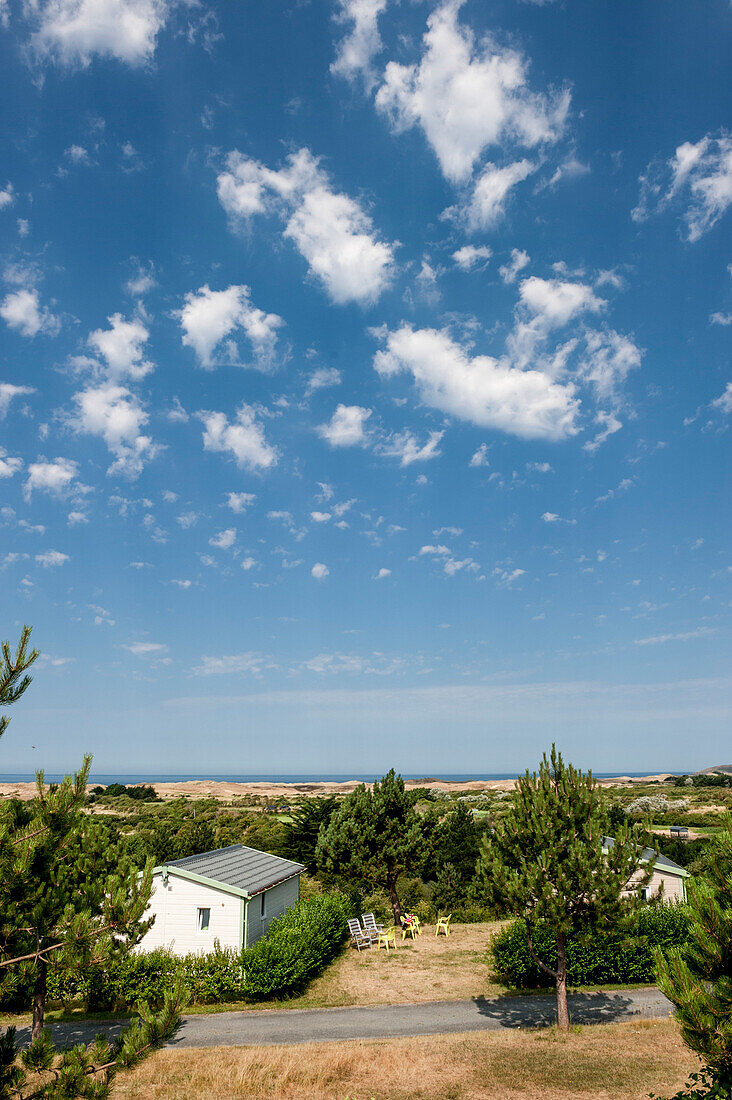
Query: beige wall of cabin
pixel 279 898
pixel 673 885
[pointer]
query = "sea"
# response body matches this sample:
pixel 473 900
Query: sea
pixel 159 777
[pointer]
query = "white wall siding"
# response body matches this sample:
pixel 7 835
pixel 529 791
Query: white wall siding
pixel 673 885
pixel 278 899
pixel 175 908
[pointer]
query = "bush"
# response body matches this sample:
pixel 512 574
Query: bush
pixel 594 957
pixel 297 946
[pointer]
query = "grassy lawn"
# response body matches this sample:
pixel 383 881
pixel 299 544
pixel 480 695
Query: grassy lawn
pixel 607 1062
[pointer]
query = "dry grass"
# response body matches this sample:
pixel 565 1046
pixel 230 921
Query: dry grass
pixel 428 968
pixel 606 1062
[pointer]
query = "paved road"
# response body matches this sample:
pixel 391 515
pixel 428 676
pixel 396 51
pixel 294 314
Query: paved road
pixel 327 1025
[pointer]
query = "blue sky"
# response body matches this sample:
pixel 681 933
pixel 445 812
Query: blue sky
pixel 365 383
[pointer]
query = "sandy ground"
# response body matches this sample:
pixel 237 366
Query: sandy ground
pixel 227 792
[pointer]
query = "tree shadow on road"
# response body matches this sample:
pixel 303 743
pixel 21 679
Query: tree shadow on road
pixel 540 1011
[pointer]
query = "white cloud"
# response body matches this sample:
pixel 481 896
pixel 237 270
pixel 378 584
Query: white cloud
pixel 724 319
pixel 244 439
pixel 75 518
pixel 146 649
pixel 482 390
pixel 7 392
pixel 209 316
pixel 319 571
pixel 122 346
pixel 224 540
pixel 236 662
pixel 519 259
pixel 467 97
pixel 329 229
pixel 486 204
pixel 405 447
pixel 21 310
pixel 53 477
pixel 469 256
pixel 550 517
pixel 357 50
pixel 439 551
pixel 322 379
pixel 346 426
pixel 686 636
pixel 7 196
pixel 248 563
pixel 115 415
pixel 320 517
pixel 239 502
pixel 51 558
pixel 724 401
pixel 382 574
pixel 142 281
pixel 73 31
pixel 608 359
pixel 480 457
pixel 186 520
pixel 77 154
pixel 608 424
pixel 544 306
pixel 699 176
pixel 9 466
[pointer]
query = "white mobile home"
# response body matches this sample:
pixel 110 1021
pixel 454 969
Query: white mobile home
pixel 230 895
pixel 668 878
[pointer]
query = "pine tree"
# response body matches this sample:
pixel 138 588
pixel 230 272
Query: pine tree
pixel 373 837
pixel 546 862
pixel 67 899
pixel 308 817
pixel 698 977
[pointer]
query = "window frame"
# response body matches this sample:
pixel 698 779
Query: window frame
pixel 263 905
pixel 200 929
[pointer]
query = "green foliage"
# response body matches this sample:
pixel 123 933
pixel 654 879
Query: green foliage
pixel 373 837
pixel 698 977
pixel 709 779
pixel 297 946
pixel 545 863
pixel 614 956
pixel 14 678
pixel 139 792
pixel 301 834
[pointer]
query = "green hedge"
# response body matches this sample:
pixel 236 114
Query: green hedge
pixel 299 944
pixel 595 957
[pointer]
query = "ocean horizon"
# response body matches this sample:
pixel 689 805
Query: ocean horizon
pixel 324 777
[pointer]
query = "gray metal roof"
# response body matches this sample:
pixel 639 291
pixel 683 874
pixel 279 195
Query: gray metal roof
pixel 648 855
pixel 241 867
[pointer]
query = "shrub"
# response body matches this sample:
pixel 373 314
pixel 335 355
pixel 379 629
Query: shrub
pixel 297 946
pixel 608 957
pixel 657 804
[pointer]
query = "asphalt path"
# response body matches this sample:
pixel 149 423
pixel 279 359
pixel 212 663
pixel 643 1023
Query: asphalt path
pixel 331 1025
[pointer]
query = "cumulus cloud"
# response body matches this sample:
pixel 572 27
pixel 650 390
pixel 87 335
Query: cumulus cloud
pixel 470 256
pixel 544 306
pixel 319 571
pixel 487 202
pixel 509 272
pixel 146 649
pixel 382 574
pixel 480 389
pixel 724 401
pixel 51 558
pixel 407 448
pixel 322 379
pixel 243 440
pixel 467 96
pixel 122 346
pixel 239 502
pixel 142 280
pixel 208 317
pixel 72 32
pixel 329 229
pixel 9 466
pixel 224 540
pixel 7 196
pixel 608 359
pixel 697 179
pixel 235 662
pixel 7 392
pixel 22 311
pixel 54 477
pixel 358 48
pixel 480 457
pixel 346 426
pixel 115 415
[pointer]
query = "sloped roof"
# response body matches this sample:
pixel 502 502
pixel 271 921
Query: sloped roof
pixel 648 855
pixel 245 869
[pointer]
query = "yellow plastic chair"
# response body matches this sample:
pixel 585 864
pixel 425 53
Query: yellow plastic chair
pixel 443 925
pixel 410 930
pixel 386 936
pixel 418 926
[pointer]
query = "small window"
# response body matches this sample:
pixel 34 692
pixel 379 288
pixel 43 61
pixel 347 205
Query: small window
pixel 263 904
pixel 204 919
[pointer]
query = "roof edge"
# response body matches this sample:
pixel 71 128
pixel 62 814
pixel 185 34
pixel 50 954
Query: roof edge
pixel 181 872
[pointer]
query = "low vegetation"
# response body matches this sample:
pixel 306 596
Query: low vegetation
pixel 604 1062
